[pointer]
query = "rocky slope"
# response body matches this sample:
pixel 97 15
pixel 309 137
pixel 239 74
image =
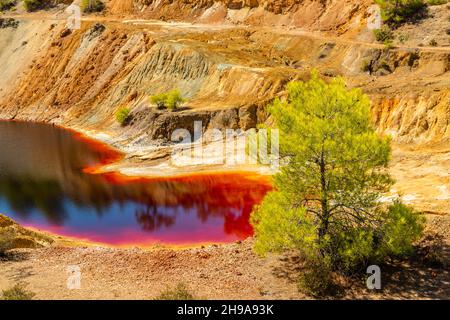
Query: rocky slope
pixel 13 236
pixel 85 75
pixel 339 15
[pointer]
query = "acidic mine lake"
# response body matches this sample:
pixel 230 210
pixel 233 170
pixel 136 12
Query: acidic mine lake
pixel 46 182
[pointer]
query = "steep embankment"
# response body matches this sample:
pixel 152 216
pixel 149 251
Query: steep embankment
pixel 80 78
pixel 337 15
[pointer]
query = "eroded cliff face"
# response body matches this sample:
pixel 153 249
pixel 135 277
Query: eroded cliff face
pixel 340 15
pixel 229 75
pixel 415 118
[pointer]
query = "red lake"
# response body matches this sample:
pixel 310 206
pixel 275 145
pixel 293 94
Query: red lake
pixel 48 181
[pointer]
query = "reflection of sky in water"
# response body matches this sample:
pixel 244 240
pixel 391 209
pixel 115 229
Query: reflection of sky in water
pixel 42 185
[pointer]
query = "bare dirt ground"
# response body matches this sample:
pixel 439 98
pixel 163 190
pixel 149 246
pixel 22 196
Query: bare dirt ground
pixel 422 178
pixel 230 271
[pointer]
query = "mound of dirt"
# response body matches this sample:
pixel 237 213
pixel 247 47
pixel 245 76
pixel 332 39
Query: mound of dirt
pixel 13 236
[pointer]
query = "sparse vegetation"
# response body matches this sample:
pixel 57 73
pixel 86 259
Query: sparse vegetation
pixel 396 12
pixel 326 205
pixel 6 240
pixel 403 38
pixel 89 6
pixel 171 100
pixel 384 34
pixel 180 292
pixel 384 65
pixel 8 23
pixel 366 66
pixel 123 115
pixel 18 292
pixel 436 2
pixel 7 4
pixel 433 43
pixel 31 5
pixel 413 57
pixel 389 44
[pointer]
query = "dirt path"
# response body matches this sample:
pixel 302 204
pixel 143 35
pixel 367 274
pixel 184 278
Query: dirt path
pixel 198 27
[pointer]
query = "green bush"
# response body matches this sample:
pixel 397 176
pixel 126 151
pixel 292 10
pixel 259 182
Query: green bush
pixel 180 292
pixel 396 12
pixel 174 99
pixel 7 4
pixel 123 115
pixel 171 100
pixel 401 226
pixel 384 34
pixel 159 100
pixel 384 65
pixel 31 5
pixel 18 292
pixel 88 6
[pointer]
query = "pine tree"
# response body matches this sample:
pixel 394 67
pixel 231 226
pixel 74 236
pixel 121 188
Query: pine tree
pixel 399 11
pixel 326 202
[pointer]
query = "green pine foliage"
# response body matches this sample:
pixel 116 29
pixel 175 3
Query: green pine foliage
pixel 326 204
pixel 396 12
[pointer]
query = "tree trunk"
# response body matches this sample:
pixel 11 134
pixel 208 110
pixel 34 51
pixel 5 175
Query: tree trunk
pixel 323 227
